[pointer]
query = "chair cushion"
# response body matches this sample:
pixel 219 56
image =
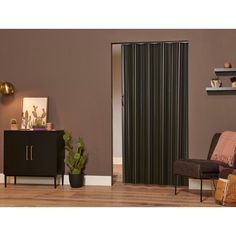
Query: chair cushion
pixel 197 168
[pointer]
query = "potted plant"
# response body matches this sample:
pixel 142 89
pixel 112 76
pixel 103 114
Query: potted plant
pixel 75 160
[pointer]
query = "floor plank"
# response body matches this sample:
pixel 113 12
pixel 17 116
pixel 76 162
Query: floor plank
pixel 118 195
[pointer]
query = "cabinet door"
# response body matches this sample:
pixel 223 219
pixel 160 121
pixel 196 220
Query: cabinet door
pixel 15 152
pixel 29 153
pixel 42 154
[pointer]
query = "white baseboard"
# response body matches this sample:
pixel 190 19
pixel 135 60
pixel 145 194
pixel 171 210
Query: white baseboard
pixel 1 178
pixel 89 180
pixel 97 180
pixel 117 160
pixel 206 184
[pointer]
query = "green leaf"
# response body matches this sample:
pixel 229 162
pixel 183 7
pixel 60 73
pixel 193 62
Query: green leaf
pixel 75 171
pixel 67 136
pixel 79 143
pixel 77 156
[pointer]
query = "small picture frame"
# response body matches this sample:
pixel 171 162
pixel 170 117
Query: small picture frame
pixel 34 112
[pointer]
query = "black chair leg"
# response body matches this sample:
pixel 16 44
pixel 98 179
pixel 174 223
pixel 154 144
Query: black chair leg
pixel 213 180
pixel 176 182
pixel 201 192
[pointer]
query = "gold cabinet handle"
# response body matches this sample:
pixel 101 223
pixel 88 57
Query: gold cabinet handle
pixel 31 152
pixel 26 153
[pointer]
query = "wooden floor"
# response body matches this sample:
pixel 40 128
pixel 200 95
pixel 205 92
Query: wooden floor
pixel 118 195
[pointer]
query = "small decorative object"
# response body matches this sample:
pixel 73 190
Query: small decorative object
pixel 216 83
pixel 13 124
pixel 26 120
pixel 34 113
pixel 48 126
pixel 6 88
pixel 233 81
pixel 227 65
pixel 75 160
pixel 38 127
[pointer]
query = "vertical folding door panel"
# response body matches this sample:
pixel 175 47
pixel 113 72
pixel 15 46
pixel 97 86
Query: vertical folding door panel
pixel 155 110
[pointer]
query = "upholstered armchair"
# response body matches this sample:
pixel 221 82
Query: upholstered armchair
pixel 201 169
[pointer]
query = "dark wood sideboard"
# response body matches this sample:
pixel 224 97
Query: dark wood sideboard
pixel 34 153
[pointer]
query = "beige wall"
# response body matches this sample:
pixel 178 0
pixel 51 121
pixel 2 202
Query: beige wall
pixel 73 68
pixel 116 101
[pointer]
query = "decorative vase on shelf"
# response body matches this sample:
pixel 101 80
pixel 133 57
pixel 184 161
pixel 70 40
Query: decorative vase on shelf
pixel 216 83
pixel 227 65
pixel 233 82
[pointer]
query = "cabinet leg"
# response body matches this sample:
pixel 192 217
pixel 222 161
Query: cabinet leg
pixel 5 181
pixel 62 179
pixel 14 179
pixel 55 181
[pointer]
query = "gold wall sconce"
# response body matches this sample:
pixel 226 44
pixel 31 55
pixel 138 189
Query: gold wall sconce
pixel 6 88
